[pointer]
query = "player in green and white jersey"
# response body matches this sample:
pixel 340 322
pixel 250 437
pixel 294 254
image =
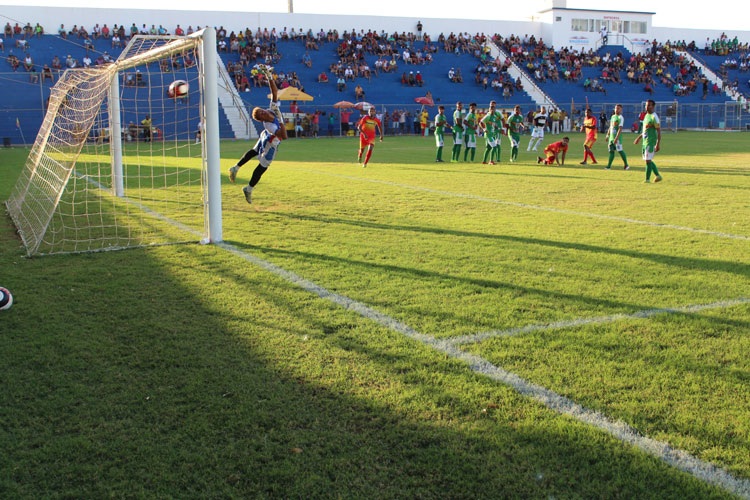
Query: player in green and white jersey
pixel 515 127
pixel 492 123
pixel 458 131
pixel 441 123
pixel 614 138
pixel 470 129
pixel 651 136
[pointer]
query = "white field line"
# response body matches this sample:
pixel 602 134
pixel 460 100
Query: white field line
pixel 679 459
pixel 511 332
pixel 535 207
pixel 143 207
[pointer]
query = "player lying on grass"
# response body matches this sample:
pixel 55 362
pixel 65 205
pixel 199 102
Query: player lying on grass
pixel 553 150
pixel 366 127
pixel 274 131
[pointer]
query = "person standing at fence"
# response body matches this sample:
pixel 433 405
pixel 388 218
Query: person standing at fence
pixel 589 127
pixel 331 122
pixel 614 137
pixel 315 123
pixel 555 121
pixel 146 128
pixel 441 123
pixel 345 117
pixel 651 136
pixel 424 118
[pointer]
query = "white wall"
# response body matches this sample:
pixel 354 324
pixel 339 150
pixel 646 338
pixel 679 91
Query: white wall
pixel 564 36
pixel 51 18
pixel 558 34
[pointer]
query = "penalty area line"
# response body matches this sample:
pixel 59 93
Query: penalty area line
pixel 705 471
pixel 679 459
pixel 537 207
pixel 511 332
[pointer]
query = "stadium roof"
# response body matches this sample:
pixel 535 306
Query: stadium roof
pixel 599 10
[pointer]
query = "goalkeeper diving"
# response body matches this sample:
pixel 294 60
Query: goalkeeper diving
pixel 274 131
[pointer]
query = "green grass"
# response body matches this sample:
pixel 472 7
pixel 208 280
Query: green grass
pixel 185 372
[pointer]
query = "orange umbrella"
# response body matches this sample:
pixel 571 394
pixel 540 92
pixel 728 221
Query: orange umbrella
pixel 426 101
pixel 292 94
pixel 344 104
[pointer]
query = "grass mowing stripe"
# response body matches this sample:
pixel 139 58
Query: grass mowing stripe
pixel 537 207
pixel 479 337
pixel 679 459
pixel 147 210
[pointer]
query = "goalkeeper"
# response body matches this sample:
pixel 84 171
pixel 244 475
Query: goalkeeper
pixel 274 131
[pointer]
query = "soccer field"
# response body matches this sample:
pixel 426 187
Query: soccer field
pixel 409 330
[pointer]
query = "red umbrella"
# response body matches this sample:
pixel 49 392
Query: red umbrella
pixel 363 105
pixel 343 104
pixel 426 101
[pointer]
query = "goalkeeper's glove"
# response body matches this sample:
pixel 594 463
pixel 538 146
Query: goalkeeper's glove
pixel 276 109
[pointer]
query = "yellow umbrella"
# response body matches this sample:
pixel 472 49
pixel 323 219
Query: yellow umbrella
pixel 292 94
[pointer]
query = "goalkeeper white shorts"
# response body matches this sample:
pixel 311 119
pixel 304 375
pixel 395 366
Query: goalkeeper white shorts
pixel 266 148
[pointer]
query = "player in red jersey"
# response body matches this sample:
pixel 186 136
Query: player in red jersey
pixel 553 150
pixel 589 126
pixel 366 127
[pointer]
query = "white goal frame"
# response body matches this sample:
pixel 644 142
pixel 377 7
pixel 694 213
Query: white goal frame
pixel 36 196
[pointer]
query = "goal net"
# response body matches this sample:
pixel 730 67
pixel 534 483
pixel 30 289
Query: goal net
pixel 668 113
pixel 125 157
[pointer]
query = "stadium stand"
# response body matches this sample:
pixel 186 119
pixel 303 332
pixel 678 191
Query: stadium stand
pixel 25 102
pixel 603 75
pixel 382 88
pixel 434 66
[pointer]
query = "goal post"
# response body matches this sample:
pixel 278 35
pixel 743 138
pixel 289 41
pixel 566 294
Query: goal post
pixel 668 113
pixel 120 160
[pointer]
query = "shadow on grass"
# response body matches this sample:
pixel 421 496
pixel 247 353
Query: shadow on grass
pixel 691 263
pixel 413 273
pixel 189 374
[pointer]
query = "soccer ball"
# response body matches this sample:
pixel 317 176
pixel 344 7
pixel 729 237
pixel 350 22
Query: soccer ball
pixel 178 88
pixel 6 299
